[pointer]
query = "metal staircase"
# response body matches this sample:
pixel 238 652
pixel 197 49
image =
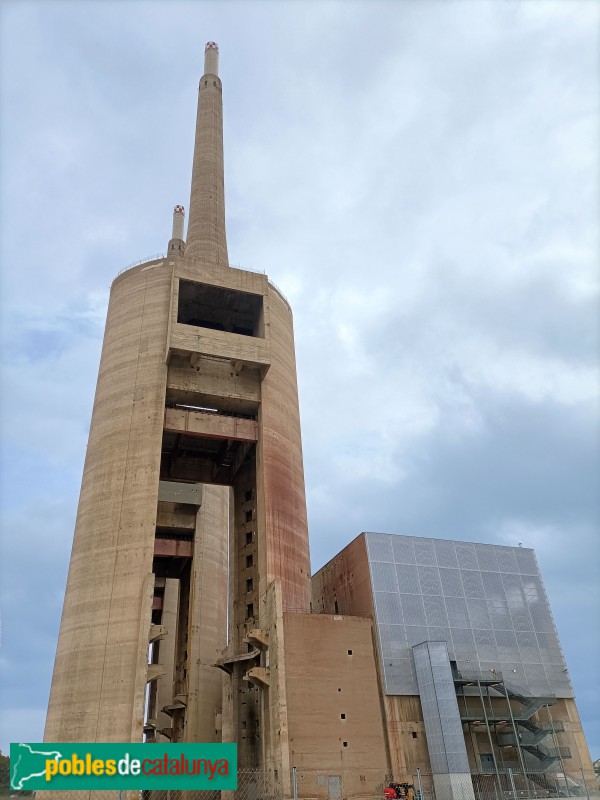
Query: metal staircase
pixel 529 705
pixel 525 735
pixel 534 734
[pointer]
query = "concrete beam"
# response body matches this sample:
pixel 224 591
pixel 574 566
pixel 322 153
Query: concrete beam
pixel 250 351
pixel 176 515
pixel 175 492
pixel 210 425
pixel 173 548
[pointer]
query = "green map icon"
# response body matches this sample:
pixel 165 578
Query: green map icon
pixel 27 763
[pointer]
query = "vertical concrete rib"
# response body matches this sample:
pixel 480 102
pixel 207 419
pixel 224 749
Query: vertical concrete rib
pixel 206 239
pixel 164 689
pixel 208 616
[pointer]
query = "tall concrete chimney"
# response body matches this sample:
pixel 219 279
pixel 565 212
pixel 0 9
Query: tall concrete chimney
pixel 193 475
pixel 206 238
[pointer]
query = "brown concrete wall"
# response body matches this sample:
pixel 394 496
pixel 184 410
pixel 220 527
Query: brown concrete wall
pixel 345 580
pixel 565 711
pixel 98 685
pixel 284 556
pixel 324 681
pixel 406 736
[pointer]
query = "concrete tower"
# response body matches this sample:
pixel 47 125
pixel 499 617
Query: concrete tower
pixel 194 463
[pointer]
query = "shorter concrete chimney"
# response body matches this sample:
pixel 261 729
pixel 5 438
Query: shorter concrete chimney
pixel 177 244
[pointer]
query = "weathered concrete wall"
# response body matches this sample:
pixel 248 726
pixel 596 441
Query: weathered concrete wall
pixel 285 553
pixel 406 736
pixel 99 678
pixel 330 665
pixel 343 585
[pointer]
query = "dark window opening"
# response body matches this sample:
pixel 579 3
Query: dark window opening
pixel 349 652
pixel 249 537
pixel 249 561
pixel 414 735
pixel 335 603
pixel 249 610
pixel 219 309
pixel 249 585
pixel 342 716
pixel 339 690
pixel 345 744
pixel 248 496
pixel 249 516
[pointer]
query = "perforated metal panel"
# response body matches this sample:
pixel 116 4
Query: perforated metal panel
pixel 487 602
pixel 443 728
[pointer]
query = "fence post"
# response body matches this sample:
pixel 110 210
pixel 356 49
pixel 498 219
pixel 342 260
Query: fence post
pixel 512 782
pixel 295 781
pixel 120 794
pixel 587 791
pixel 421 795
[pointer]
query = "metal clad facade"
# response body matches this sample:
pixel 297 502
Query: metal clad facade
pixel 487 602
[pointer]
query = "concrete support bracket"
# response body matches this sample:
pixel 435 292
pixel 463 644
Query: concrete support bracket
pixel 259 676
pixel 226 662
pixel 157 632
pixel 154 672
pixel 258 638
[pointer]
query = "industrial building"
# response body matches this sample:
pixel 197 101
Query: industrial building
pixel 188 614
pixel 473 677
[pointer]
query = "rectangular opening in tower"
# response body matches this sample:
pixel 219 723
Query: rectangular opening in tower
pixel 219 309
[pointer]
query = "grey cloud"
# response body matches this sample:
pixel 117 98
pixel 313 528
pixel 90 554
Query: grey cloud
pixel 419 178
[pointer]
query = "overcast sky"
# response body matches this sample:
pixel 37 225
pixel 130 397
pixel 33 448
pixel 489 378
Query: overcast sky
pixel 419 178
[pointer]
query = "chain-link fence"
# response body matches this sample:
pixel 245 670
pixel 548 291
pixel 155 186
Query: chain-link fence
pixel 354 784
pixel 505 784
